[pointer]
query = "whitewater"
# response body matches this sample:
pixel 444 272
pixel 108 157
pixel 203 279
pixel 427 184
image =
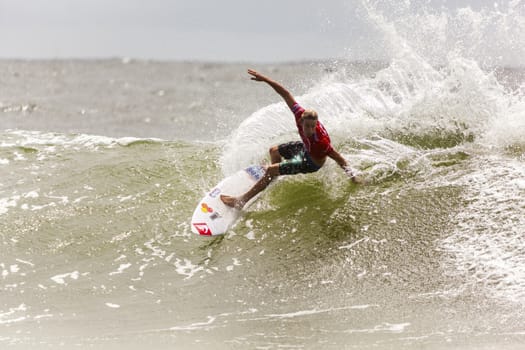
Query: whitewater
pixel 103 161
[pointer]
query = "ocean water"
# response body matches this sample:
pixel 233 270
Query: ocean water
pixel 102 163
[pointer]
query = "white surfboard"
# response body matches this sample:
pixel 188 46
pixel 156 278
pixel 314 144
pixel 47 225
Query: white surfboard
pixel 212 217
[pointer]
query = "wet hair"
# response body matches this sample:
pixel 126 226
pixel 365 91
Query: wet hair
pixel 309 114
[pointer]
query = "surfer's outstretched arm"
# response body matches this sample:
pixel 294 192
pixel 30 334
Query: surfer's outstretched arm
pixel 339 159
pixel 281 90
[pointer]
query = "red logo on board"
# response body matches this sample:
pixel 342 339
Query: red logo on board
pixel 202 228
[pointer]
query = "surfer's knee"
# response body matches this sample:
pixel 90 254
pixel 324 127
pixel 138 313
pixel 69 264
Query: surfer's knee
pixel 275 156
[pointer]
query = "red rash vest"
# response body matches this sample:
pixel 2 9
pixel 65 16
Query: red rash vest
pixel 318 145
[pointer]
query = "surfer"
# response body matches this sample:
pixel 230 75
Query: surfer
pixel 306 156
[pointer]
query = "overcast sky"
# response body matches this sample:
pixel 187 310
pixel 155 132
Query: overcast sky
pixel 218 30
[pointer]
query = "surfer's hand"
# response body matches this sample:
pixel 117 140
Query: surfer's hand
pixel 348 171
pixel 351 174
pixel 256 76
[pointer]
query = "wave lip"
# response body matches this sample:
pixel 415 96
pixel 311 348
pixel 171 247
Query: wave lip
pixel 26 138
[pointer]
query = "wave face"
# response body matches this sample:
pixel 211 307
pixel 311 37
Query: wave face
pixel 96 248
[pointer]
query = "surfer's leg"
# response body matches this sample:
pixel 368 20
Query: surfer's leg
pixel 229 200
pixel 238 202
pixel 271 172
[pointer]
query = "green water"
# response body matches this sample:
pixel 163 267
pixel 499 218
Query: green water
pixel 97 250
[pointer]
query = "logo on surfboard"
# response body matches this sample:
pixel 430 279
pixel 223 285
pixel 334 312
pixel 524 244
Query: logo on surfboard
pixel 215 192
pixel 206 209
pixel 203 229
pixel 215 216
pixel 255 171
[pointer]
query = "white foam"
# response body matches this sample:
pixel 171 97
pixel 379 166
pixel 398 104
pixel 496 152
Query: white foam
pixel 317 311
pixel 112 305
pixel 61 278
pixel 12 316
pixel 186 268
pixel 38 317
pixel 49 141
pixel 491 34
pixel 195 326
pixel 31 194
pixel 351 245
pixel 382 328
pixel 487 243
pixel 507 129
pixel 25 262
pixel 9 202
pixel 121 269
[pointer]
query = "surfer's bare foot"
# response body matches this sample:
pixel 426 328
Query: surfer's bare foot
pixel 232 201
